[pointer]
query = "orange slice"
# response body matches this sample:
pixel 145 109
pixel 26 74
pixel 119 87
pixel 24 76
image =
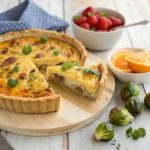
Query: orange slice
pixel 120 62
pixel 127 52
pixel 138 65
pixel 142 55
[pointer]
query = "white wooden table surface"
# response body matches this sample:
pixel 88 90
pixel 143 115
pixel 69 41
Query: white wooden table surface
pixel 133 10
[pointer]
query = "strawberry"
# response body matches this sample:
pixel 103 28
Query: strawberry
pixel 110 24
pixel 85 26
pixel 102 23
pixel 92 20
pixel 116 21
pixel 79 19
pixel 97 14
pixel 87 10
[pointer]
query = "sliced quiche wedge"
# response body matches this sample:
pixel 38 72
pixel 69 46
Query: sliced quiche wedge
pixel 87 81
pixel 23 89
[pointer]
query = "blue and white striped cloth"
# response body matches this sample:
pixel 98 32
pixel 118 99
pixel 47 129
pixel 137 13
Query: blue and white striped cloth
pixel 29 15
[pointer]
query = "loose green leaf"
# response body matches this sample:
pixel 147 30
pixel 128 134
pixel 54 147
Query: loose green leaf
pixel 56 52
pixel 44 39
pixel 142 132
pixel 27 49
pixel 136 134
pixel 92 71
pixel 67 65
pixel 15 69
pixel 104 15
pixel 12 82
pixel 129 132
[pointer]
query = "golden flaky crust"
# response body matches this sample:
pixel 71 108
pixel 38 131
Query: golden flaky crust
pixel 52 34
pixel 101 84
pixel 30 105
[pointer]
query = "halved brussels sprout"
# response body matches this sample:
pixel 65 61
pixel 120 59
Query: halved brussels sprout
pixel 120 116
pixel 104 131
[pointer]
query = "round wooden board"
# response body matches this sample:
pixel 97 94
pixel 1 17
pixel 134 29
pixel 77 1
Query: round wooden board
pixel 75 112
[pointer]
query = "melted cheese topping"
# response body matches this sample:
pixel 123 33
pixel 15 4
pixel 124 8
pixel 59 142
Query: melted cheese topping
pixel 31 82
pixel 67 52
pixel 88 79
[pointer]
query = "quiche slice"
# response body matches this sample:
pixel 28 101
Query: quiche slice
pixel 23 89
pixel 87 81
pixel 43 47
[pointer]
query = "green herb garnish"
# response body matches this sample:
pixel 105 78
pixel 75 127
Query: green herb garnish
pixel 27 49
pixel 56 52
pixel 129 132
pixel 44 39
pixel 15 69
pixel 104 15
pixel 33 77
pixel 12 82
pixel 142 132
pixel 92 71
pixel 67 65
pixel 136 134
pixel 118 146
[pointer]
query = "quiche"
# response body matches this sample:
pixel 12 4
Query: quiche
pixel 23 88
pixel 88 81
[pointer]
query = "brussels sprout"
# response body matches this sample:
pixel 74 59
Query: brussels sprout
pixel 104 132
pixel 120 116
pixel 147 100
pixel 134 105
pixel 129 89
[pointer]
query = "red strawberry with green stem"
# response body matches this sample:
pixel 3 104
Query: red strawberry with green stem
pixel 87 10
pixel 79 19
pixel 102 23
pixel 116 21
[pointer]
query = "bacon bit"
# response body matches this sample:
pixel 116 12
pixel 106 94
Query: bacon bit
pixel 43 47
pixel 13 42
pixel 22 76
pixel 9 61
pixel 35 43
pixel 39 55
pixel 32 71
pixel 79 89
pixel 4 51
pixel 60 78
pixel 52 47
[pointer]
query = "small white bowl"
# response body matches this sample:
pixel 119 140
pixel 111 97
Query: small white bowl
pixel 97 40
pixel 137 78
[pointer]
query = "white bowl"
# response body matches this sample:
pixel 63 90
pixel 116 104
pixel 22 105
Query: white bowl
pixel 97 40
pixel 137 78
